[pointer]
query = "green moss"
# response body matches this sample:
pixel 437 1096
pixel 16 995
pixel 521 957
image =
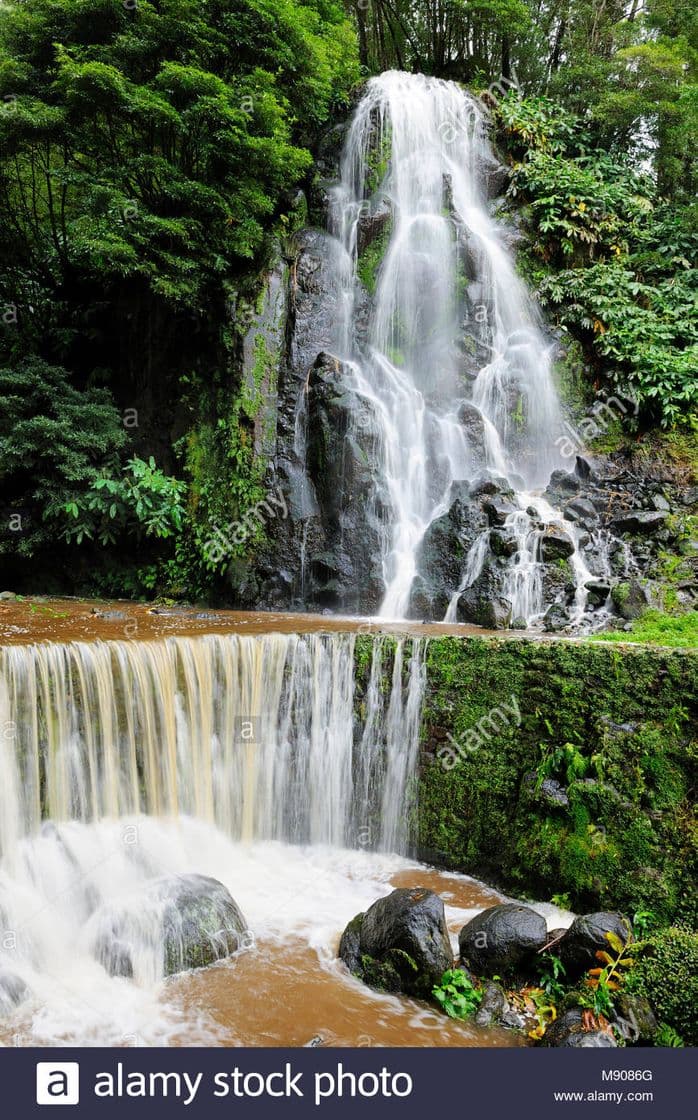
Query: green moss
pixel 370 260
pixel 666 973
pixel 658 628
pixel 613 725
pixel 572 379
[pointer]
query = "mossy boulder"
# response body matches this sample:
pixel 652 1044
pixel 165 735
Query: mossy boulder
pixel 401 943
pixel 172 924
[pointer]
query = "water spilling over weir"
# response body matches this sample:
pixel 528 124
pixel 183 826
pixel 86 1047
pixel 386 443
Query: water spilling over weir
pixel 254 735
pixel 126 766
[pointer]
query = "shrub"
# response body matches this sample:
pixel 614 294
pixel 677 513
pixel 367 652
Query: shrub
pixel 666 973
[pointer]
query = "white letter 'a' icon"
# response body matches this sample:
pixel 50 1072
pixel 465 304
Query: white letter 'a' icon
pixel 57 1083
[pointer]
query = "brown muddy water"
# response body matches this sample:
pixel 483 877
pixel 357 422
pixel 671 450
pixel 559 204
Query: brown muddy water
pixel 80 620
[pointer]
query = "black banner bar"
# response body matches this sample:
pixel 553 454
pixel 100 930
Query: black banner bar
pixel 203 1083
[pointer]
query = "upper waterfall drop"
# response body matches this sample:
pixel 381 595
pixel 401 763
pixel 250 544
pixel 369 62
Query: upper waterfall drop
pixel 453 364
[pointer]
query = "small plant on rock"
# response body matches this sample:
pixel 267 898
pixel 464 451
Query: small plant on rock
pixel 456 994
pixel 606 979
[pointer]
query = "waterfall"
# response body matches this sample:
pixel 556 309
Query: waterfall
pixel 255 735
pixel 451 326
pixel 127 768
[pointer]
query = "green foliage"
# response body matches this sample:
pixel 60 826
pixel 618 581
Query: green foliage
pixel 457 995
pixel 649 332
pixel 604 981
pixel 142 501
pixel 618 262
pixel 148 154
pixel 537 124
pixel 658 629
pixel 667 1036
pixel 370 261
pixel 155 142
pixel 552 976
pixel 666 973
pixel 565 762
pixel 55 440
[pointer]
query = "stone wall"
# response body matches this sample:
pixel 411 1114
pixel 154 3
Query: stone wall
pixel 563 767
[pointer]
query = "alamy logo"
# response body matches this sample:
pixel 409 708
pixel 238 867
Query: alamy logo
pixel 57 1083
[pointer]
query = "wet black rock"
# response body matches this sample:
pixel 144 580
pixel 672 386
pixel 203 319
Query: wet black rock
pixel 568 1030
pixel 494 1005
pixel 640 522
pixel 562 484
pixel 556 618
pixel 503 543
pixel 350 944
pixel 180 922
pixel 586 936
pixel 474 427
pixel 490 484
pixel 372 223
pixel 347 535
pixel 569 1022
pixel 583 468
pixel 583 512
pixel 498 509
pixel 496 177
pixel 442 554
pixel 589 1040
pixel 483 603
pixel 502 939
pixel 403 943
pixel 556 544
pixel 598 591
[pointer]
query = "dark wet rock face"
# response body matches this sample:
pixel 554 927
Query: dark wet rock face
pixel 502 940
pixel 443 553
pixel 401 943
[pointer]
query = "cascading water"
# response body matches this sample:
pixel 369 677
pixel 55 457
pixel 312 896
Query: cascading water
pixel 127 765
pixel 415 160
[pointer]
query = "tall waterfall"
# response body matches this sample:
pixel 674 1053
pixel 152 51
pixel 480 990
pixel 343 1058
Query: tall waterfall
pixel 415 159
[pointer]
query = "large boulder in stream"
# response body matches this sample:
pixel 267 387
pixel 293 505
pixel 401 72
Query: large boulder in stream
pixel 502 940
pixel 172 924
pixel 401 943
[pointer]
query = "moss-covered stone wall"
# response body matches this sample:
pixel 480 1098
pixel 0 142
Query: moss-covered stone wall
pixel 563 768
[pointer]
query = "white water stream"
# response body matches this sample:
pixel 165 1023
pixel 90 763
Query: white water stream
pixel 419 147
